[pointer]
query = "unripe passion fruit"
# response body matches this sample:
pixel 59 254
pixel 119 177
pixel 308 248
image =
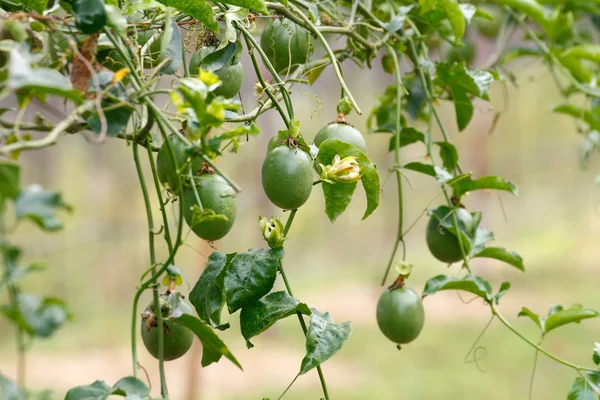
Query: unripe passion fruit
pixel 177 339
pixel 217 195
pixel 343 132
pixel 287 177
pixel 442 243
pixel 400 314
pixel 168 174
pixel 285 44
pixel 231 76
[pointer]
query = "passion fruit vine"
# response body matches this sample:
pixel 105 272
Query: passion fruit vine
pixel 215 195
pixel 177 339
pixel 400 314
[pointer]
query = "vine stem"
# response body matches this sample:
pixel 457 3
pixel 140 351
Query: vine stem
pixel 399 237
pixel 156 299
pixel 334 61
pixel 288 288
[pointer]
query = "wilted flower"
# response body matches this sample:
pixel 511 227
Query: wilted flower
pixel 272 231
pixel 345 170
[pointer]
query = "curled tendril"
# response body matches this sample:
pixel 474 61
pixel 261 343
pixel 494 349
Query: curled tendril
pixel 478 352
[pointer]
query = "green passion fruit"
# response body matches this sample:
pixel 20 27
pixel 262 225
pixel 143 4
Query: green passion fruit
pixel 344 132
pixel 217 195
pixel 231 76
pixel 285 44
pixel 168 174
pixel 287 177
pixel 400 314
pixel 177 339
pixel 442 243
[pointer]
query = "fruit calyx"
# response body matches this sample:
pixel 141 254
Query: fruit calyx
pixel 206 169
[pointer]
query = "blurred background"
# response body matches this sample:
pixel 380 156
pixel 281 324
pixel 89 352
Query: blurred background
pixel 95 263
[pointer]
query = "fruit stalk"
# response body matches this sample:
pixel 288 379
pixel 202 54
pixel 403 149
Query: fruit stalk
pixel 288 288
pixel 163 382
pixel 399 237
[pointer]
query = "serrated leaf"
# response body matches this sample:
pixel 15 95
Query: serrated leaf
pixel 503 289
pixel 9 180
pixel 407 136
pixel 260 315
pixel 573 314
pixel 468 184
pixel 336 195
pixel 448 154
pixel 200 10
pixel 249 276
pixel 538 320
pixel 41 207
pixel 426 169
pixel 130 386
pixel 207 296
pixel 470 283
pixel 212 346
pixel 501 254
pixel 98 390
pixel 256 5
pixel 323 340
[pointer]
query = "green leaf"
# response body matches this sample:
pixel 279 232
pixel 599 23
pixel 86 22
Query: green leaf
pixel 9 390
pixel 9 180
pixel 323 340
pixel 171 47
pixel 470 283
pixel 241 131
pixel 207 296
pixel 448 154
pixel 217 59
pixel 467 184
pixel 407 136
pixel 116 119
pixel 200 10
pixel 334 204
pixel 589 52
pixel 130 386
pixel 260 315
pixel 574 314
pixel 596 356
pixel 40 81
pixel 592 119
pixel 455 17
pixel 40 207
pixel 37 316
pixel 420 167
pixel 427 5
pixel 581 390
pixel 503 289
pixel 539 321
pixel 249 276
pixel 36 5
pixel 98 390
pixel 90 15
pixel 256 5
pixel 212 347
pixel 501 254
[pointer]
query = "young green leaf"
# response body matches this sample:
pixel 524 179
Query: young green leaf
pixel 422 168
pixel 336 197
pixel 200 10
pixel 503 289
pixel 407 136
pixel 592 119
pixel 538 320
pixel 260 315
pixel 501 254
pixel 589 52
pixel 130 386
pixel 9 180
pixel 256 5
pixel 574 314
pixel 455 17
pixel 212 347
pixel 581 390
pixel 249 276
pixel 323 340
pixel 596 356
pixel 207 296
pixel 470 283
pixel 468 184
pixel 171 47
pixel 98 390
pixel 40 207
pixel 448 154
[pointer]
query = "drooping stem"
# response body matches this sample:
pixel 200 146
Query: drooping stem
pixel 399 237
pixel 155 294
pixel 288 288
pixel 535 359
